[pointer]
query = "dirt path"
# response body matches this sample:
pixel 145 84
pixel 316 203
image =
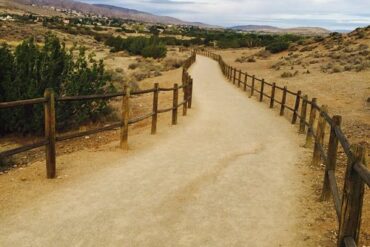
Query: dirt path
pixel 226 177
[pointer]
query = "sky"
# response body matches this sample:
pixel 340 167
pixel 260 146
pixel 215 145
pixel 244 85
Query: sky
pixel 330 14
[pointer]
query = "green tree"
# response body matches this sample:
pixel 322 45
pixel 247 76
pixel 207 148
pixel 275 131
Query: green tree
pixel 32 69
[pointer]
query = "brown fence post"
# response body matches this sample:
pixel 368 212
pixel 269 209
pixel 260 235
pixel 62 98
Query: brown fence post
pixel 319 140
pixel 240 78
pixel 353 196
pixel 311 124
pixel 283 101
pixel 296 107
pixel 332 157
pixel 175 103
pixel 49 111
pixel 272 99
pixel 252 88
pixel 262 89
pixel 234 76
pixel 190 91
pixel 185 105
pixel 245 81
pixel 302 122
pixel 155 109
pixel 125 117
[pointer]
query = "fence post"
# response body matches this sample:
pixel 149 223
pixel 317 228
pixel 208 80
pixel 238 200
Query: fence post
pixel 296 107
pixel 332 157
pixel 125 117
pixel 175 103
pixel 283 101
pixel 272 100
pixel 245 81
pixel 240 77
pixel 252 88
pixel 319 140
pixel 190 91
pixel 311 124
pixel 262 89
pixel 302 122
pixel 185 105
pixel 234 76
pixel 353 196
pixel 49 111
pixel 155 109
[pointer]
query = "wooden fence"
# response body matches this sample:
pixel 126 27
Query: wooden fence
pixel 49 100
pixel 313 121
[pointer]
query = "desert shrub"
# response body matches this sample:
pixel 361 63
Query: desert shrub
pixel 147 47
pixel 314 61
pixel 119 70
pixel 318 38
pixel 173 63
pixel 30 69
pixel 133 66
pixel 364 52
pixel 362 47
pixel 251 60
pixel 277 46
pixel 336 69
pixel 286 75
pixel 263 54
pixel 359 67
pixel 348 67
pixel 134 86
pixel 240 60
pixel 154 51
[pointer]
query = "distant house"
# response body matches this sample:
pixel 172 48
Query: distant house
pixel 65 21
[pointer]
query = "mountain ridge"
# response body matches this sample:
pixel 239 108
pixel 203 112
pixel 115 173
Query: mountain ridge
pixel 273 29
pixel 104 10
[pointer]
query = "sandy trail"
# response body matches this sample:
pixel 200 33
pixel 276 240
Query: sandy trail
pixel 226 177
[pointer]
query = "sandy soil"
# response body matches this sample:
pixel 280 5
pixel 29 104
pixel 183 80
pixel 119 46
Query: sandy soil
pixel 224 177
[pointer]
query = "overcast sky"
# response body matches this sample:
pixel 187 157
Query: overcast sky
pixel 331 14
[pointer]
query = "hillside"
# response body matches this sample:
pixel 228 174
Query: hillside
pixel 272 29
pixel 49 7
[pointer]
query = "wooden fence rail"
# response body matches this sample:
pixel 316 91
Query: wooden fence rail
pixel 348 206
pixel 49 100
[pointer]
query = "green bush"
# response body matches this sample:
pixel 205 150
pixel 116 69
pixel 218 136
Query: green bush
pixel 146 47
pixel 30 69
pixel 277 46
pixel 154 51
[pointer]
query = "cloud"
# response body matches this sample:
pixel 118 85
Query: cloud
pixel 332 14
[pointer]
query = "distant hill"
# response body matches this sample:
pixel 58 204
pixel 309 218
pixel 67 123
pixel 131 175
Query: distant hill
pixel 272 29
pixel 98 9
